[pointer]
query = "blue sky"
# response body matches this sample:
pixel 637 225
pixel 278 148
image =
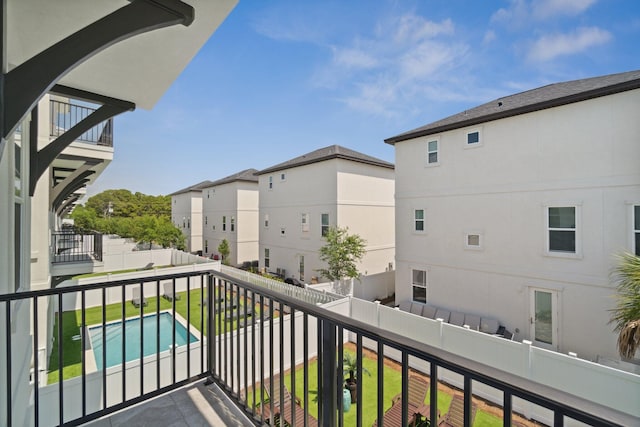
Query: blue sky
pixel 282 78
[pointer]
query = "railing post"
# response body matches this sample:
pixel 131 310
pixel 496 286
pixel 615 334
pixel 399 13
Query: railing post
pixel 329 388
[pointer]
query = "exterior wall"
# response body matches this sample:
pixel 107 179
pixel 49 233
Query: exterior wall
pixel 583 154
pixel 237 200
pixel 355 195
pixel 186 214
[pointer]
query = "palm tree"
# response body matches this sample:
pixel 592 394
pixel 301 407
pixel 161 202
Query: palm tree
pixel 626 315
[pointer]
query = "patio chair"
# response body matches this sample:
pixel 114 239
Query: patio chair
pixel 138 299
pixel 288 404
pixel 416 309
pixel 455 416
pixel 146 267
pixel 489 326
pixel 405 306
pixel 456 318
pixel 168 292
pixel 443 314
pixel 472 321
pixel 429 311
pixel 418 388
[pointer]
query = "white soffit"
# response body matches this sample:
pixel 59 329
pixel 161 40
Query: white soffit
pixel 139 69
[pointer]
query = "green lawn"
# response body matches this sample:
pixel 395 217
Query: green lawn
pixel 392 387
pixel 71 321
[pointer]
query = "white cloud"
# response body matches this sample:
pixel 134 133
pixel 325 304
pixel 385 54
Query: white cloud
pixel 521 12
pixel 489 36
pixel 412 28
pixel 551 46
pixel 353 58
pixel 546 8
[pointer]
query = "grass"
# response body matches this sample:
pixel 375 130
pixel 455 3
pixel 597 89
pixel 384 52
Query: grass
pixel 105 273
pixel 392 387
pixel 71 321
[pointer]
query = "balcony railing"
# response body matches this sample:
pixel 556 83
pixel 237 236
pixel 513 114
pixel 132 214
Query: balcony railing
pixel 254 342
pixel 76 247
pixel 64 115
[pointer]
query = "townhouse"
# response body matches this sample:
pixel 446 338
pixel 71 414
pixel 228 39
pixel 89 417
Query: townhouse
pixel 186 214
pixel 230 212
pixel 515 209
pixel 332 186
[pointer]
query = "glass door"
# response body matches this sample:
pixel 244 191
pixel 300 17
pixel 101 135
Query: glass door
pixel 543 318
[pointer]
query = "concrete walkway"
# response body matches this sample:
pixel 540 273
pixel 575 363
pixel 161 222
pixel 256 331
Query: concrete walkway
pixel 194 405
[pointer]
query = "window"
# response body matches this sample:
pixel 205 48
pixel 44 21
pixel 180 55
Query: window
pixel 325 224
pixel 233 223
pixel 224 223
pixel 301 267
pixel 206 246
pixel 432 152
pixel 636 230
pixel 418 218
pixel 419 284
pixel 188 222
pixel 266 220
pixel 270 182
pixel 266 257
pixel 305 222
pixel 283 177
pixel 561 229
pixel 206 220
pixel 473 240
pixel 473 138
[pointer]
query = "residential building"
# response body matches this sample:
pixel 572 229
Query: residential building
pixel 516 208
pixel 230 212
pixel 186 214
pixel 333 186
pixel 94 54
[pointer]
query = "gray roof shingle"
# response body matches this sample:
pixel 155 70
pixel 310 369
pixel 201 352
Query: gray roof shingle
pixel 327 153
pixel 248 175
pixel 549 96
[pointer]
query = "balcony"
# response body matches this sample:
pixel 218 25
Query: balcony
pixel 75 253
pixel 65 115
pixel 268 352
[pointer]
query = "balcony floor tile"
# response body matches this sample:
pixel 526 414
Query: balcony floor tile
pixel 192 405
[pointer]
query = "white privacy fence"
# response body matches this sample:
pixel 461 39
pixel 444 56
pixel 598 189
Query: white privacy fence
pixel 607 386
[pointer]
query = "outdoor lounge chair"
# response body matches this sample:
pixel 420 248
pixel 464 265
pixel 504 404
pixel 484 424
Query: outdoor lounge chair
pixel 168 292
pixel 429 312
pixel 138 299
pixel 405 306
pixel 288 404
pixel 489 326
pixel 418 388
pixel 472 321
pixel 443 314
pixel 416 309
pixel 456 318
pixel 455 416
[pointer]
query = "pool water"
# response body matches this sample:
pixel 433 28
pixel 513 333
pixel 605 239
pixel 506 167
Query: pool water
pixel 132 342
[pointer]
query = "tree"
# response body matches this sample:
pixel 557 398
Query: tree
pixel 341 253
pixel 626 315
pixel 84 219
pixel 224 250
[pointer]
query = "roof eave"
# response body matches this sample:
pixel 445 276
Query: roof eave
pixel 557 102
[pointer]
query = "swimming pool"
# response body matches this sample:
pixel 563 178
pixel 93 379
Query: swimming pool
pixel 132 342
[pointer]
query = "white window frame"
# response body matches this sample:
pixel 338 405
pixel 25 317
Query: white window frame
pixel 233 224
pixel 267 257
pixel 634 209
pixel 270 183
pixel 304 222
pixel 479 246
pixel 428 162
pixel 475 144
pixel 224 223
pixel 283 176
pixel 577 254
pixel 424 285
pixel 324 228
pixel 415 221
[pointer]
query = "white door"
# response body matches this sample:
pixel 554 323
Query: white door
pixel 544 318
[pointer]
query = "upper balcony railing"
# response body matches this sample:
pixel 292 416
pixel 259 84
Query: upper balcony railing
pixel 118 343
pixel 68 246
pixel 65 115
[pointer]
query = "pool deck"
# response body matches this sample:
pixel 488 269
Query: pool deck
pixel 195 404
